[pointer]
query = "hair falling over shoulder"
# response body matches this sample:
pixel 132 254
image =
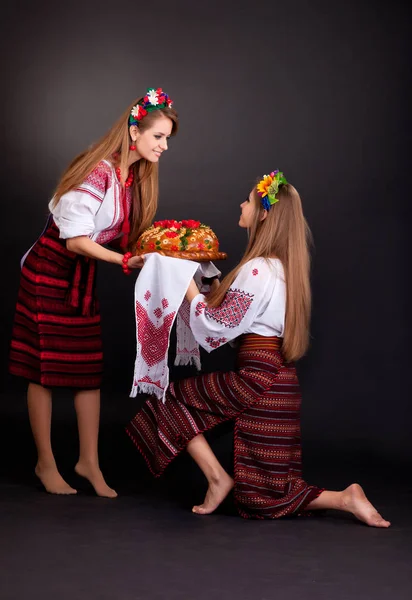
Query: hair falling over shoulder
pixel 115 143
pixel 285 235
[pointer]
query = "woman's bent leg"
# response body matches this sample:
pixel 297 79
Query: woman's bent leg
pixel 220 482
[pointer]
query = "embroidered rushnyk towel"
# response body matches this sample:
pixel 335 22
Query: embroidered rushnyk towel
pixel 160 298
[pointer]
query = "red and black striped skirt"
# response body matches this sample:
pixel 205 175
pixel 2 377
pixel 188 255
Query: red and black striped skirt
pixel 263 398
pixel 56 339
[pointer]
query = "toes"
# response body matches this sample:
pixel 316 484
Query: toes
pixel 103 491
pixel 376 520
pixel 199 510
pixel 381 523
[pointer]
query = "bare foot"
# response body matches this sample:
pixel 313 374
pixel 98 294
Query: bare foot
pixel 355 501
pixel 94 475
pixel 216 493
pixel 53 481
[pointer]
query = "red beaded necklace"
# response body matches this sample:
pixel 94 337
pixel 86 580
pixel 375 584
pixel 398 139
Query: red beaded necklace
pixel 129 179
pixel 126 223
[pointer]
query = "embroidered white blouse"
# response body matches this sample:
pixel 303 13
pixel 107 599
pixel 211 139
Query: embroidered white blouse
pixel 94 208
pixel 254 303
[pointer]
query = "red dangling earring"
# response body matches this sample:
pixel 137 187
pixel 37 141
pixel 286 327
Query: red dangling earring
pixel 132 148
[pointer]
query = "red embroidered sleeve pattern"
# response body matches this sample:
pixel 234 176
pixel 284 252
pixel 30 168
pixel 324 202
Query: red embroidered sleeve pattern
pixel 200 307
pixel 232 310
pixel 215 342
pixel 97 182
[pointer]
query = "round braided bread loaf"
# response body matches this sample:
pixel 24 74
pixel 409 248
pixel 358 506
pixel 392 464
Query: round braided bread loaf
pixel 186 239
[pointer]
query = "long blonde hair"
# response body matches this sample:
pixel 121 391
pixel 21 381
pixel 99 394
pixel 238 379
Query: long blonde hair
pixel 283 234
pixel 115 143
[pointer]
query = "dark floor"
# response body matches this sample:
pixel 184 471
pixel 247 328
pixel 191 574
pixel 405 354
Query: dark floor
pixel 147 545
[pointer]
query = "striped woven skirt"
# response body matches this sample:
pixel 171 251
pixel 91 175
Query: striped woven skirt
pixel 56 339
pixel 263 398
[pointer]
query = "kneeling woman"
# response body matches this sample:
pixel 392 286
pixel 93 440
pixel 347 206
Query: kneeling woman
pixel 265 303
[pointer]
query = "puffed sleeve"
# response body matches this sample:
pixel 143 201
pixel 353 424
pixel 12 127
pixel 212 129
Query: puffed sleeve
pixel 75 213
pixel 244 300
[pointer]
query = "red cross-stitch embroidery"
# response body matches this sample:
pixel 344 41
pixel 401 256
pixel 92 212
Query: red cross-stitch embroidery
pixel 113 231
pixel 158 312
pixel 165 303
pixel 153 340
pixel 100 179
pixel 184 312
pixel 147 379
pixel 255 272
pixel 233 308
pixel 194 351
pixel 200 306
pixel 215 342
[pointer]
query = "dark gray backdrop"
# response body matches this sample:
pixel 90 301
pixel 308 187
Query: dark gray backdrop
pixel 318 89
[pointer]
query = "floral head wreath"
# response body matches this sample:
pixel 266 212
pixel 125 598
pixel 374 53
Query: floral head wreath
pixel 153 100
pixel 268 188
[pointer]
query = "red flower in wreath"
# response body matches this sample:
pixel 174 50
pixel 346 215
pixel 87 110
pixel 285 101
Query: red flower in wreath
pixel 138 112
pixel 171 234
pixel 174 248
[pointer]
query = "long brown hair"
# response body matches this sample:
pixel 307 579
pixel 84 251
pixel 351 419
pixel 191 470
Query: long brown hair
pixel 114 143
pixel 283 234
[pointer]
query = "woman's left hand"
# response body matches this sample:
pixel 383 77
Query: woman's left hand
pixel 135 262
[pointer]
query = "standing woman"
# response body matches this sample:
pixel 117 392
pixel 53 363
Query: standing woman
pixel 108 194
